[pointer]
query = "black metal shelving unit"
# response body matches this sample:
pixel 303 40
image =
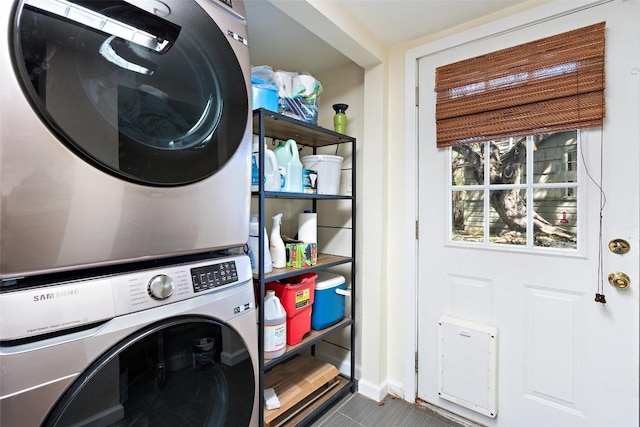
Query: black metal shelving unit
pixel 268 124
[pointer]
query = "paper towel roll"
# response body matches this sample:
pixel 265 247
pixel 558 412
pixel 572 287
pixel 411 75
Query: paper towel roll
pixel 308 227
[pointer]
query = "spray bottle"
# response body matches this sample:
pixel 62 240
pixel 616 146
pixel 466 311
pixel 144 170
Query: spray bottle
pixel 276 245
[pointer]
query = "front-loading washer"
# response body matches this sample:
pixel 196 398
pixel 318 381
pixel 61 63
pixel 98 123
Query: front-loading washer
pixel 125 132
pixel 170 346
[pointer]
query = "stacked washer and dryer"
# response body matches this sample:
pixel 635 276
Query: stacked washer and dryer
pixel 125 144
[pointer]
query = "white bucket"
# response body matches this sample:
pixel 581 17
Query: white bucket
pixel 328 168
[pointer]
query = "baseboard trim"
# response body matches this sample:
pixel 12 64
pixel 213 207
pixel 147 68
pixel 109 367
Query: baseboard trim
pixel 396 389
pixel 373 391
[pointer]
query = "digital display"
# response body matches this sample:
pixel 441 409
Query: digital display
pixel 213 276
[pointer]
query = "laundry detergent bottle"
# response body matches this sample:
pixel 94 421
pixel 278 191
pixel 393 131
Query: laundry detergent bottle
pixel 271 176
pixel 271 171
pixel 255 163
pixel 289 160
pixel 279 151
pixel 275 326
pixel 254 247
pixel 276 246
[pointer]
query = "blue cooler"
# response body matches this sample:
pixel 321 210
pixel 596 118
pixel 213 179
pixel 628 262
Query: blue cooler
pixel 328 304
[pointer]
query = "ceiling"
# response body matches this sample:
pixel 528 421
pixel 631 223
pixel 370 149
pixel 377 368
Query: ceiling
pixel 277 40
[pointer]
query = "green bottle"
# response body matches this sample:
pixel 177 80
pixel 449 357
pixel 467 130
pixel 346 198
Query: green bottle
pixel 340 118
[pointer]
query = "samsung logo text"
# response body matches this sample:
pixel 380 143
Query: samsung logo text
pixel 53 295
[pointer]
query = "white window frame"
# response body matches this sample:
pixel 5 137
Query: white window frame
pixel 529 186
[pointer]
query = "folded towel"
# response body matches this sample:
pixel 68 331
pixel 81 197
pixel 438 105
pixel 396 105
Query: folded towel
pixel 271 400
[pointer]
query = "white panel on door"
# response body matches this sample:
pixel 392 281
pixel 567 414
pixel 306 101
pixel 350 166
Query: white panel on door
pixel 471 298
pixel 554 334
pixel 467 364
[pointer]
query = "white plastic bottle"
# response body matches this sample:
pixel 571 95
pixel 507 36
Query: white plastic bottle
pixel 289 160
pixel 271 171
pixel 255 161
pixel 295 168
pixel 254 246
pixel 271 177
pixel 275 326
pixel 276 246
pixel 282 170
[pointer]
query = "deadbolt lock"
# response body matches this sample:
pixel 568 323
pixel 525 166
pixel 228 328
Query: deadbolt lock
pixel 619 280
pixel 619 246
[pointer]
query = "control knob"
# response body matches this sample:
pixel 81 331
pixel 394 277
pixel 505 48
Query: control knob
pixel 161 287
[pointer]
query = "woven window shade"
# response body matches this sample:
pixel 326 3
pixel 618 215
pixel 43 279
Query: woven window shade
pixel 548 85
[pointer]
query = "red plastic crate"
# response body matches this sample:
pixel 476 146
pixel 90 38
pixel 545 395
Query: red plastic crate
pixel 296 296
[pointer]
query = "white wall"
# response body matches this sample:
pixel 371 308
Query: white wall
pixel 365 92
pixel 344 85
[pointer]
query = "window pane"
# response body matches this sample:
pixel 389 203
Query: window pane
pixel 542 168
pixel 467 165
pixel 555 157
pixel 508 161
pixel 508 217
pixel 467 220
pixel 556 223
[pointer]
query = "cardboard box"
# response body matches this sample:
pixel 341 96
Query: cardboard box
pixel 297 383
pixel 301 255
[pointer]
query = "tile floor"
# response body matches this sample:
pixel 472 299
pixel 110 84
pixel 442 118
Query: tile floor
pixel 356 410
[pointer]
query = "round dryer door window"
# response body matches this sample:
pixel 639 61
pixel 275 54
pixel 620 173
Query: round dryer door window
pixel 148 91
pixel 175 373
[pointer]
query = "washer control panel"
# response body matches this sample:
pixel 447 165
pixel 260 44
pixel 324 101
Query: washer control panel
pixel 151 288
pixel 161 287
pixel 213 276
pixel 72 304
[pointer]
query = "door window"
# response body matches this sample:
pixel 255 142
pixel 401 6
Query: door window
pixel 170 374
pixel 153 96
pixel 519 192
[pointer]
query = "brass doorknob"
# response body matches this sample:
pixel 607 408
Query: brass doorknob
pixel 619 280
pixel 619 246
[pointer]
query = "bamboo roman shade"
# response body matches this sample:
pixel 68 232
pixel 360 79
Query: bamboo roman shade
pixel 552 84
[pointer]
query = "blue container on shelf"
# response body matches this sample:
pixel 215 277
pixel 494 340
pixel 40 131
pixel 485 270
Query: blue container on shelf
pixel 264 95
pixel 328 300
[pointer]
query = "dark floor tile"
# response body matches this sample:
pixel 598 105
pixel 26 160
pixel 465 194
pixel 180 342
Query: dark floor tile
pixel 333 410
pixel 356 410
pixel 338 420
pixel 364 410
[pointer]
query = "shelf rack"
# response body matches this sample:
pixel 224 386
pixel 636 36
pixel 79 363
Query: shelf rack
pixel 268 124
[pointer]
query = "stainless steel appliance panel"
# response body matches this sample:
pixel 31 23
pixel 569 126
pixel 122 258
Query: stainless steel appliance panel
pixel 106 349
pixel 69 195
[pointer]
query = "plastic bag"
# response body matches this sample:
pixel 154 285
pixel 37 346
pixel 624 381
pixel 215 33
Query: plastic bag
pixel 262 72
pixel 298 95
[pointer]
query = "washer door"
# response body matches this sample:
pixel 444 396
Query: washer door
pixel 153 93
pixel 175 373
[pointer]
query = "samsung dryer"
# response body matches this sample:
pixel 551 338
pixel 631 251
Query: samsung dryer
pixel 171 346
pixel 125 132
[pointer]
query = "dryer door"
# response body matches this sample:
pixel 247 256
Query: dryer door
pixel 187 371
pixel 152 93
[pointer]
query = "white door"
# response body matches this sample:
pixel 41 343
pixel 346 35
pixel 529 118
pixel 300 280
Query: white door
pixel 562 359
